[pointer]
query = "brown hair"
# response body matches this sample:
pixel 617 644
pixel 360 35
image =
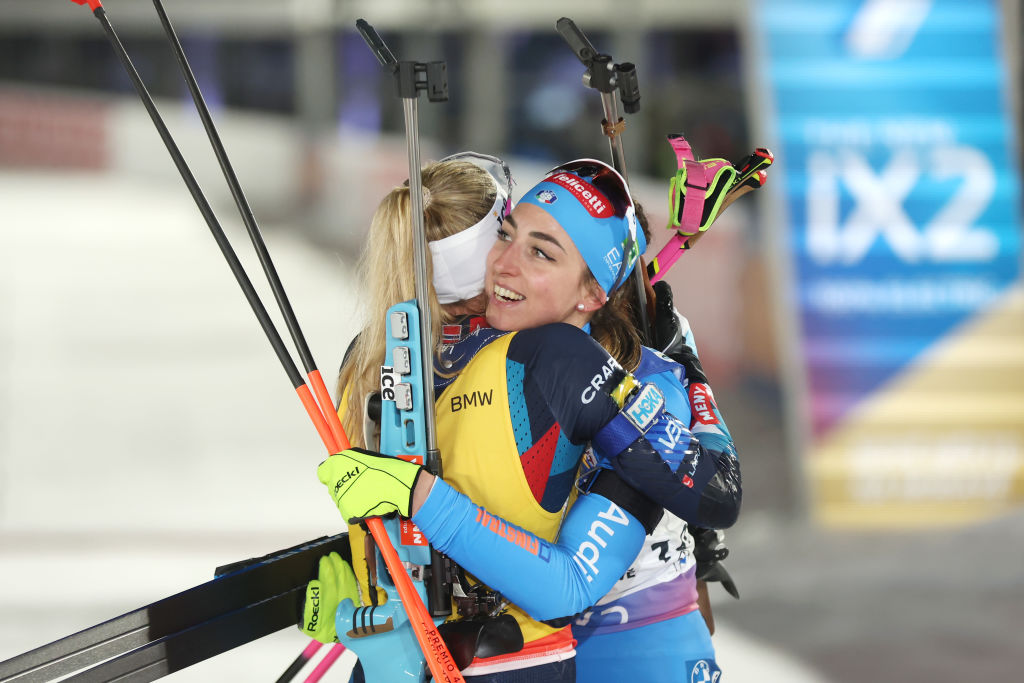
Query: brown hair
pixel 614 325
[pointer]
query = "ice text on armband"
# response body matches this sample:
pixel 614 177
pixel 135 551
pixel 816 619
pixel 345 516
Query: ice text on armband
pixel 597 381
pixel 524 540
pixel 588 553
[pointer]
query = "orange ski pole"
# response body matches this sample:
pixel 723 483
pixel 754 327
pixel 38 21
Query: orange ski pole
pixel 440 661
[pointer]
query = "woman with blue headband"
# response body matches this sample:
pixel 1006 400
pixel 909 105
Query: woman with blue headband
pixel 517 406
pixel 652 610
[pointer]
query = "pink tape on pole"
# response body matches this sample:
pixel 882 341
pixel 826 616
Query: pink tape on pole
pixel 693 203
pixel 332 656
pixel 668 255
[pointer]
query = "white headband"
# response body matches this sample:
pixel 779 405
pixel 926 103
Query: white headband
pixel 460 260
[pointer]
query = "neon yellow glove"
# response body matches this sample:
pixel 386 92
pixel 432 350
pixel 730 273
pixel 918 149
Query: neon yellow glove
pixel 334 582
pixel 367 484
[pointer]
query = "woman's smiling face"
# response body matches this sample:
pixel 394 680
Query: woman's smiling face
pixel 536 275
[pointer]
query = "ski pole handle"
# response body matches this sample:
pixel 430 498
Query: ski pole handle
pixel 584 51
pixel 373 39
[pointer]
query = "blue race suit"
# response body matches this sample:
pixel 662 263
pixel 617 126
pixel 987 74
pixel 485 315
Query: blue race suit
pixel 648 626
pixel 548 391
pixel 533 399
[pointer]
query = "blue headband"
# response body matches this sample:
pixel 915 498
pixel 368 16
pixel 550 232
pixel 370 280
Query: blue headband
pixel 598 228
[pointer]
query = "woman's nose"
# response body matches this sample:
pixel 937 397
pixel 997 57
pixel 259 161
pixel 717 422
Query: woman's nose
pixel 507 259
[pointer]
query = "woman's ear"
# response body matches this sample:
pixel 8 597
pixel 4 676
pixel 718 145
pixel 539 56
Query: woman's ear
pixel 593 297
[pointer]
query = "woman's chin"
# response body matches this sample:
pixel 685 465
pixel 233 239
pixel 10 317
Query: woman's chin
pixel 504 315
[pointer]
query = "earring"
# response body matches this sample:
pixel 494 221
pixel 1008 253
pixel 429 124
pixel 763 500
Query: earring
pixel 579 307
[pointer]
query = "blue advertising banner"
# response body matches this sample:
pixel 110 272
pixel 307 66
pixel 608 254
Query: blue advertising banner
pixel 902 199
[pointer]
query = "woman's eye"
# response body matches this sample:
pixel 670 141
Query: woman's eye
pixel 540 252
pixel 503 235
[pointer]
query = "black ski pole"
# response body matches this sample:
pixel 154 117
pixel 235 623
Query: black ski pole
pixel 298 383
pixel 434 649
pixel 249 220
pixel 290 320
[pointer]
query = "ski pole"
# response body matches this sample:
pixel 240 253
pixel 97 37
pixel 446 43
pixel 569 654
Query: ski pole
pixel 751 174
pixel 300 661
pixel 312 372
pixel 605 77
pixel 249 220
pixel 408 90
pixel 436 653
pixel 298 383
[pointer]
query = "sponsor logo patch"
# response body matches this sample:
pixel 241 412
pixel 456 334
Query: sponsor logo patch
pixel 703 671
pixel 547 196
pixel 591 198
pixel 513 535
pixel 644 409
pixel 472 400
pixel 613 259
pixel 314 596
pixel 388 379
pixel 588 553
pixel 702 404
pixel 598 380
pixel 694 458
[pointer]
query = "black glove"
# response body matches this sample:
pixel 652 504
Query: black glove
pixel 686 357
pixel 709 550
pixel 665 330
pixel 668 335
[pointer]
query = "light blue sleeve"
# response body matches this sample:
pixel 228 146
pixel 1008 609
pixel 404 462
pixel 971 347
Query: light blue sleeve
pixel 597 542
pixel 717 436
pixel 676 400
pixel 681 398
